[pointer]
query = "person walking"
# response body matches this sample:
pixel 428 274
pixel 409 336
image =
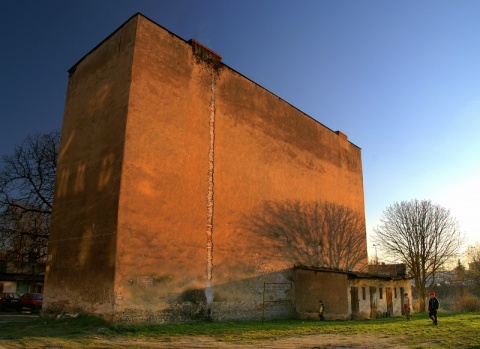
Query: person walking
pixel 406 306
pixel 433 307
pixel 321 311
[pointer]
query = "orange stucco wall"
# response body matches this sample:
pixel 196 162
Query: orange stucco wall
pixel 162 213
pixel 82 244
pixel 267 150
pixel 166 155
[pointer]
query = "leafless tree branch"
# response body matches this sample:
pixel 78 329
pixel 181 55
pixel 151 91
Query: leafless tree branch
pixel 27 180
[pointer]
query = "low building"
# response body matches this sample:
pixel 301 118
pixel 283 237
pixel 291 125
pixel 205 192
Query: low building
pixel 20 278
pixel 348 294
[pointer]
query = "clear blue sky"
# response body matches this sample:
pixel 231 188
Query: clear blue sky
pixel 400 78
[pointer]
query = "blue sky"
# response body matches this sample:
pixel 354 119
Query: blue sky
pixel 400 78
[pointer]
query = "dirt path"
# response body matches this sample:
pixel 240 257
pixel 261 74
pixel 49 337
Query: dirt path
pixel 324 341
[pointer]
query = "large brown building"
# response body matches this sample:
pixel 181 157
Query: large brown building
pixel 167 155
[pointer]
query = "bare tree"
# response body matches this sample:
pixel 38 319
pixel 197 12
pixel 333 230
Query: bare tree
pixel 423 236
pixel 27 180
pixel 315 233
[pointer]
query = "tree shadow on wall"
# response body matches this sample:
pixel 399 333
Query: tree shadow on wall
pixel 319 233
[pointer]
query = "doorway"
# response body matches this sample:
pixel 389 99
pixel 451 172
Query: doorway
pixel 354 302
pixel 388 293
pixel 373 302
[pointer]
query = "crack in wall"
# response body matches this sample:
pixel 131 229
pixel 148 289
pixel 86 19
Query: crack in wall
pixel 210 193
pixel 211 59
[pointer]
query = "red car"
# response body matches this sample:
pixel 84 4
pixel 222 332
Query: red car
pixel 9 300
pixel 33 301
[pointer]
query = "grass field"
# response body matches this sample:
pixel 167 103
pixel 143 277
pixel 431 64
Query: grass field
pixel 455 330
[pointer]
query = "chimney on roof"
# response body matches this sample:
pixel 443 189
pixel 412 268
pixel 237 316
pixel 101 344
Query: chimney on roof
pixel 341 134
pixel 204 53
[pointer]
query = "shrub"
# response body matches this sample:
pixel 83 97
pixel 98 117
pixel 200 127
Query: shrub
pixel 467 303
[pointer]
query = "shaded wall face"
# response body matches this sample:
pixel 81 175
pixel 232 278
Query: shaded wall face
pixel 82 241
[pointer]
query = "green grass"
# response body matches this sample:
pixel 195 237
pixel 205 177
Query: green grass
pixel 455 330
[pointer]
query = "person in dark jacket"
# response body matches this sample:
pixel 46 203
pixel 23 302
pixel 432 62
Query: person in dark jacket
pixel 433 307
